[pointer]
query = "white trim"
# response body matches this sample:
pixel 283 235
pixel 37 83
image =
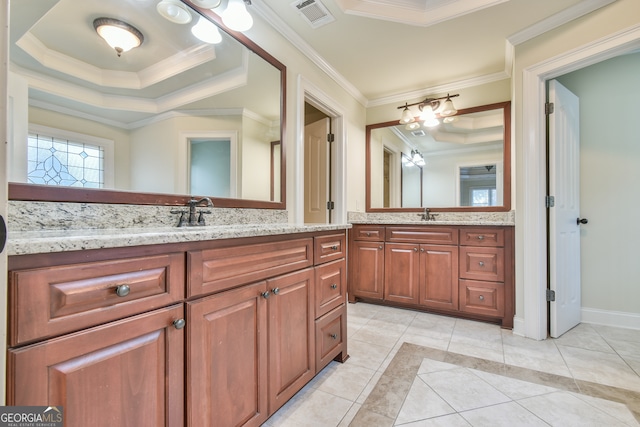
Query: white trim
pixel 308 92
pixel 183 164
pixel 618 319
pixel 518 326
pixel 532 214
pixel 106 144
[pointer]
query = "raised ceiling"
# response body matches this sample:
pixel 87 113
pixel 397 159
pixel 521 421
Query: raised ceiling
pixel 383 50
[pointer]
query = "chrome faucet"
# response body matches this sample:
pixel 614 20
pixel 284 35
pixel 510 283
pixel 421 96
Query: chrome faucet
pixel 195 218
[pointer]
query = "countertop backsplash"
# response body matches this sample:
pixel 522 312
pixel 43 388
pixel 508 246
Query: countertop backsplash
pixel 34 216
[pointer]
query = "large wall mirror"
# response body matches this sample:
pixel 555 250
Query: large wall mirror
pixel 178 116
pixel 463 164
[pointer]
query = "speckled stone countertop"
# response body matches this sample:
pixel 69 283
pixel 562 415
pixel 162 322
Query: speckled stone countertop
pixel 442 218
pixel 47 241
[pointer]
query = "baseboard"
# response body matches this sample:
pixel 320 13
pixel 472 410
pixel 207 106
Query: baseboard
pixel 610 318
pixel 518 326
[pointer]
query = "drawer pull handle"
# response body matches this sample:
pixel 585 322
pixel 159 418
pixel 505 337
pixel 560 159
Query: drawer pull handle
pixel 481 297
pixel 334 286
pixel 481 263
pixel 123 290
pixel 179 323
pixel 266 294
pixel 481 237
pixel 275 291
pixel 334 247
pixel 334 336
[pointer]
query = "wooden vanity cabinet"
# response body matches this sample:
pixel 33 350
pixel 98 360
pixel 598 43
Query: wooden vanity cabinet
pixel 460 270
pixel 189 342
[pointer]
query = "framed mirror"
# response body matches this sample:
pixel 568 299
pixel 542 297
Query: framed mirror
pixel 464 163
pixel 178 116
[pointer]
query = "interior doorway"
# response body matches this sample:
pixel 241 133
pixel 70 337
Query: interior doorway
pixel 318 159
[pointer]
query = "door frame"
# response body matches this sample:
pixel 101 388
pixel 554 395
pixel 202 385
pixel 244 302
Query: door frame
pixel 310 93
pixel 531 213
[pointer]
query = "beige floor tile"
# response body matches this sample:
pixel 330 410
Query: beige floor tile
pixel 367 390
pixel 474 349
pixel 620 411
pixel 584 336
pixel 453 420
pixel 563 409
pixel 513 388
pixel 346 380
pixel 508 414
pixel 319 409
pixel 477 392
pixel 422 403
pixel 428 365
pixel 622 334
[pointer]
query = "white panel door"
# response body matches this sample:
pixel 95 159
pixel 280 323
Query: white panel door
pixel 564 229
pixel 316 187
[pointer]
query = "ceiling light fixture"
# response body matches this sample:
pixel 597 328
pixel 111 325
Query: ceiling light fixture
pixel 428 109
pixel 174 11
pixel 118 34
pixel 417 158
pixel 207 4
pixel 206 31
pixel 236 17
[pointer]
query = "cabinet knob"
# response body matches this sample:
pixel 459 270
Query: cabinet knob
pixel 421 249
pixel 334 247
pixel 415 249
pixel 334 286
pixel 275 291
pixel 265 294
pixel 123 290
pixel 380 247
pixel 481 263
pixel 179 323
pixel 334 336
pixel 481 297
pixel 481 237
pixel 368 234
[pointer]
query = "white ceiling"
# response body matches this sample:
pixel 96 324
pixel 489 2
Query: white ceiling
pixel 388 49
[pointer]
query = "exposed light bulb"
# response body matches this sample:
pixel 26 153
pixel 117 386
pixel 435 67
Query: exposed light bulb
pixel 236 16
pixel 206 31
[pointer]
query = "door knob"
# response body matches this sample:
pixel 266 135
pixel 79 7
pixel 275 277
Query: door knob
pixel 582 221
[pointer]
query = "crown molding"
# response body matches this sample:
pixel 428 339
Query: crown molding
pixel 267 14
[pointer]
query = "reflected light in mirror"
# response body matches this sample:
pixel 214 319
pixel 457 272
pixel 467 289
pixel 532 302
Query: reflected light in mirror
pixel 206 31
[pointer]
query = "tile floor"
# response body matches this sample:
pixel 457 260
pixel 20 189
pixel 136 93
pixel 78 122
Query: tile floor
pixel 408 368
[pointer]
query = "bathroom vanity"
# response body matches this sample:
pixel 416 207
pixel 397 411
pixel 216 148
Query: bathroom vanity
pixel 216 325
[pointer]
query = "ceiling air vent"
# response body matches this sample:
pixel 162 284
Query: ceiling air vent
pixel 418 133
pixel 314 12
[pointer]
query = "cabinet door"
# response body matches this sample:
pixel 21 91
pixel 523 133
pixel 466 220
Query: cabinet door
pixel 291 335
pixel 226 359
pixel 124 373
pixel 367 270
pixel 439 276
pixel 401 272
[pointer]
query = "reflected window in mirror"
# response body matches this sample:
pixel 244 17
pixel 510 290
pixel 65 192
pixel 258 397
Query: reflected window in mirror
pixel 478 136
pixel 479 186
pixel 145 100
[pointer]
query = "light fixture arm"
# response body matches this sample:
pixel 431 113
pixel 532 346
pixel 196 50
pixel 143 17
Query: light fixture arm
pixel 433 102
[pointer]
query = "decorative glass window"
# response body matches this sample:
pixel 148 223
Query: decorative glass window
pixel 62 161
pixel 483 196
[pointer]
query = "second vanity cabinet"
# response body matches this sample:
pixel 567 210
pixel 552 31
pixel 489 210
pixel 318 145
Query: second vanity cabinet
pixel 458 270
pixel 207 333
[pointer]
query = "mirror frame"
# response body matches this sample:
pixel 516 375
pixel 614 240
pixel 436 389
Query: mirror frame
pixel 506 206
pixel 49 193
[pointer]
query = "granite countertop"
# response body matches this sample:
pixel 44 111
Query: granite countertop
pixel 47 241
pixel 434 222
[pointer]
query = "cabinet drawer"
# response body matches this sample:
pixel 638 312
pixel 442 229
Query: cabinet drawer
pixel 366 232
pixel 213 270
pixel 331 336
pixel 329 248
pixel 482 237
pixel 486 298
pixel 427 234
pixel 51 301
pixel 331 286
pixel 482 263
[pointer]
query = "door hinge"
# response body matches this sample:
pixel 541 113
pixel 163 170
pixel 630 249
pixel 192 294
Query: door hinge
pixel 331 137
pixel 330 206
pixel 548 108
pixel 551 295
pixel 549 201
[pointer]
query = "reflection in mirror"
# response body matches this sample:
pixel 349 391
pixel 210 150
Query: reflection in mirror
pixel 411 183
pixel 455 157
pixel 154 116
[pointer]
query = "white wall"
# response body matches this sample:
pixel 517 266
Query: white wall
pixel 609 95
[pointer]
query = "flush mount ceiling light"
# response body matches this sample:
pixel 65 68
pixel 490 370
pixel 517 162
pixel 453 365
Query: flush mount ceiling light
pixel 428 109
pixel 236 17
pixel 207 4
pixel 175 11
pixel 118 34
